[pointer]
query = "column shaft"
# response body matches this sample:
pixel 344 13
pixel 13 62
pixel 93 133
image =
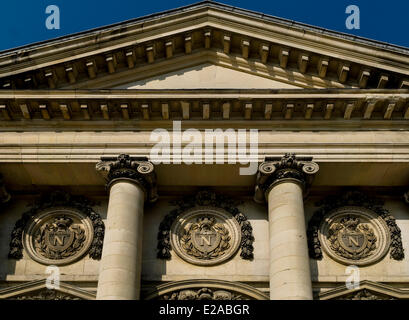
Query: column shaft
pixel 290 277
pixel 120 269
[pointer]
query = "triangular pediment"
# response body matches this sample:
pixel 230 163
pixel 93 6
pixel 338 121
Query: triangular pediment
pixel 367 290
pixel 207 76
pixel 37 290
pixel 276 51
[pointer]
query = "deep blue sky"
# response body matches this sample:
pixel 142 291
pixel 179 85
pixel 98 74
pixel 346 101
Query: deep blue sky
pixel 23 21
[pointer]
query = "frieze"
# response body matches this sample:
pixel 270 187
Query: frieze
pixel 366 225
pixel 212 200
pixel 57 228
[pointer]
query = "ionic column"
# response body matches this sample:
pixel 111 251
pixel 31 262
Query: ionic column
pixel 282 181
pixel 130 182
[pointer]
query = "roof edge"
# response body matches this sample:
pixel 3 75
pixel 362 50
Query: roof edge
pixel 216 5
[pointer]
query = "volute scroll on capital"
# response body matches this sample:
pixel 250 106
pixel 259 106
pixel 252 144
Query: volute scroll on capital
pixel 138 169
pixel 275 170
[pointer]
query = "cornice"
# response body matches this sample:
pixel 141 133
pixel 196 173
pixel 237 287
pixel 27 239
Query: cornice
pixel 208 8
pixel 382 64
pixel 326 45
pixel 376 287
pixel 36 285
pixel 280 109
pixel 216 57
pixel 328 93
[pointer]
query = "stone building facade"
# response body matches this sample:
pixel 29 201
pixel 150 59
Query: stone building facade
pixel 323 215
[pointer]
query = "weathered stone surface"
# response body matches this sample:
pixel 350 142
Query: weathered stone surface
pixel 337 99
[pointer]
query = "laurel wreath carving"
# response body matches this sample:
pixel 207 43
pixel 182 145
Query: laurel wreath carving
pixel 59 199
pixel 187 245
pixel 205 198
pixel 336 246
pixel 359 199
pixel 46 251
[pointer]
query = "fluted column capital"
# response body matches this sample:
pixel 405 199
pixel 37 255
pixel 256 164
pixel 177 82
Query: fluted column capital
pixel 137 169
pixel 275 170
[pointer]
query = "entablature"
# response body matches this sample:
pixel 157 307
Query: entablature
pixel 313 109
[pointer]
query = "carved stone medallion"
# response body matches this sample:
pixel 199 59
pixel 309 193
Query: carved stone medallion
pixel 58 236
pixel 205 236
pixel 352 239
pixel 354 235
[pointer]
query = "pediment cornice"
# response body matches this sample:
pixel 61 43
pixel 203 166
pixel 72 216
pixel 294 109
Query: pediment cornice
pixel 312 57
pixel 37 290
pixel 367 290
